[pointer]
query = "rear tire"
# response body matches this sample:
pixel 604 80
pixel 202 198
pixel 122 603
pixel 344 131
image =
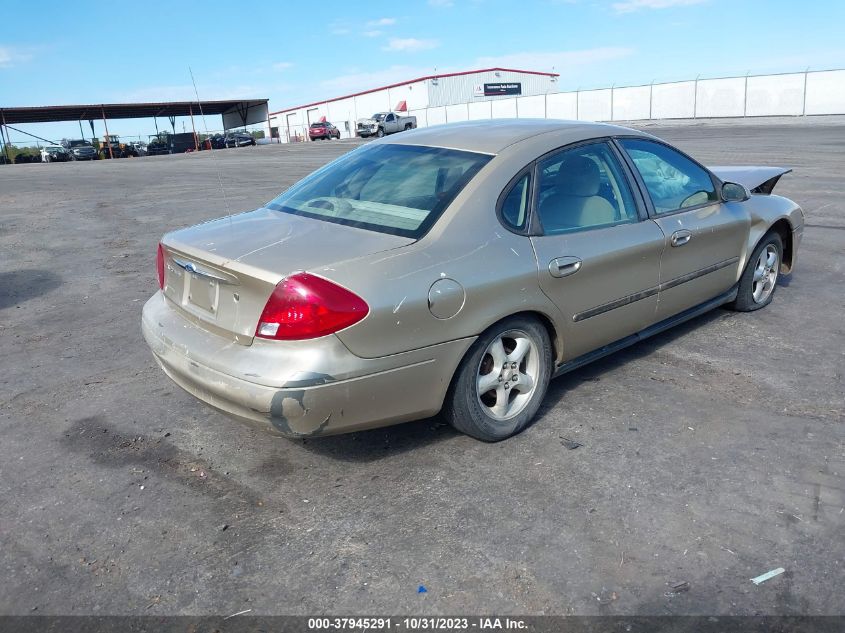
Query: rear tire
pixel 501 381
pixel 759 279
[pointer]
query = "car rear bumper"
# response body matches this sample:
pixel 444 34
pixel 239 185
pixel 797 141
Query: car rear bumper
pixel 299 388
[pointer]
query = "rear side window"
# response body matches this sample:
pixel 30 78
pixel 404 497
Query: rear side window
pixel 583 188
pixel 515 204
pixel 673 181
pixel 396 189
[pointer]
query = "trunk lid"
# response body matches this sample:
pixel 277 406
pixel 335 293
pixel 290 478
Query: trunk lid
pixel 221 273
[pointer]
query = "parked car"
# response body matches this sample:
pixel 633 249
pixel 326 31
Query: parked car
pixel 323 130
pixel 80 149
pixel 22 159
pixel 158 145
pixel 140 148
pixel 382 123
pixel 54 154
pixel 239 139
pixel 217 141
pixel 459 268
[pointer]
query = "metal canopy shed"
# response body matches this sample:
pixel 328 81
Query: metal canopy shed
pixel 235 112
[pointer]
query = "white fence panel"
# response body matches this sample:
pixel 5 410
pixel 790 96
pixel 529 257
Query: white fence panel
pixel 437 116
pixel 455 113
pixel 422 116
pixel 673 101
pixel 594 105
pixel 531 107
pixel 631 104
pixel 503 109
pixel 775 95
pixel 479 110
pixel 826 92
pixel 721 97
pixel 562 105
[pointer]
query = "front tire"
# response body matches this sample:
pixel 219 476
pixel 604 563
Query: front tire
pixel 501 381
pixel 759 279
pixel 380 132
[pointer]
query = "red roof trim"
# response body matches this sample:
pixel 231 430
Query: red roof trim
pixel 413 81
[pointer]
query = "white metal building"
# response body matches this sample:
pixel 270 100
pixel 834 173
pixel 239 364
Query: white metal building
pixel 433 99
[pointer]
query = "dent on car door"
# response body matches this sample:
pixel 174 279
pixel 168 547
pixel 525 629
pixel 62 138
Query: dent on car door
pixel 703 236
pixel 599 260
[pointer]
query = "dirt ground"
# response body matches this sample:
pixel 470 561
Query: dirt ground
pixel 710 454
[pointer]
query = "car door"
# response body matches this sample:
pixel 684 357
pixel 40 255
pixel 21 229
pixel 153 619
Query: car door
pixel 389 123
pixel 598 254
pixel 704 237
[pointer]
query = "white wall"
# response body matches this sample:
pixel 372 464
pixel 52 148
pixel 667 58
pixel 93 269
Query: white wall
pixel 455 113
pixel 826 92
pixel 631 104
pixel 436 116
pixel 594 105
pixel 720 97
pixel 531 107
pixel 479 110
pixel 775 94
pixel 503 108
pixel 562 105
pixel 673 101
pixel 792 94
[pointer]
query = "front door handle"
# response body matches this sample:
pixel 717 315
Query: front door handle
pixel 564 266
pixel 679 238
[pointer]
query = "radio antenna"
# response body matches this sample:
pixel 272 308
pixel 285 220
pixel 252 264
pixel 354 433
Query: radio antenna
pixel 207 136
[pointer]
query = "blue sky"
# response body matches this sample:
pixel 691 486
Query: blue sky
pixel 50 52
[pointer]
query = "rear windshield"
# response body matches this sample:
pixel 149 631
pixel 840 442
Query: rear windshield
pixel 396 189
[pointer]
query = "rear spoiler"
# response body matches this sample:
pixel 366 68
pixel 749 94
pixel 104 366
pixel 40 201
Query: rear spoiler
pixel 755 179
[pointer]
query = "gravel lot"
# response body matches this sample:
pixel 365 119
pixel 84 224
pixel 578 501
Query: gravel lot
pixel 711 454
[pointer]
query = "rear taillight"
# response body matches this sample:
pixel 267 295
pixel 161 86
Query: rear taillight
pixel 160 266
pixel 305 306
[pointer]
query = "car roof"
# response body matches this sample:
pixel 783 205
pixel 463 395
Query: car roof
pixel 492 136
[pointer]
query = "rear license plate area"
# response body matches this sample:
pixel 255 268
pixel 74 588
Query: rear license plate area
pixel 203 293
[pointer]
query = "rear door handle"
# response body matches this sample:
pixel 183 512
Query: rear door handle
pixel 564 266
pixel 679 238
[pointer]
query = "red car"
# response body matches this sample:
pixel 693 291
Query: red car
pixel 323 130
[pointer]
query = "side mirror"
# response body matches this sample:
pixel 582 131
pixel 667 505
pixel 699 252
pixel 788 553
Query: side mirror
pixel 733 192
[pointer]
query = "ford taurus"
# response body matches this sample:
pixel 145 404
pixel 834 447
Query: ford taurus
pixel 458 269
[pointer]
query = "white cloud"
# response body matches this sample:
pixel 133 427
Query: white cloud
pixel 560 61
pixel 382 22
pixel 441 3
pixel 283 65
pixel 11 57
pixel 410 44
pixel 373 33
pixel 629 6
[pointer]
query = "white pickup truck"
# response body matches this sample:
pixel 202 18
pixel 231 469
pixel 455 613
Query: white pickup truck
pixel 382 123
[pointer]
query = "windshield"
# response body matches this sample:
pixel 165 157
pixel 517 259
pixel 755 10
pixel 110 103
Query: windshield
pixel 79 144
pixel 379 116
pixel 396 189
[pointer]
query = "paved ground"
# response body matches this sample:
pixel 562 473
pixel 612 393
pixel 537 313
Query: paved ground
pixel 712 453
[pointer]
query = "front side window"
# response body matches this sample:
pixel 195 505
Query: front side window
pixel 397 189
pixel 583 187
pixel 673 181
